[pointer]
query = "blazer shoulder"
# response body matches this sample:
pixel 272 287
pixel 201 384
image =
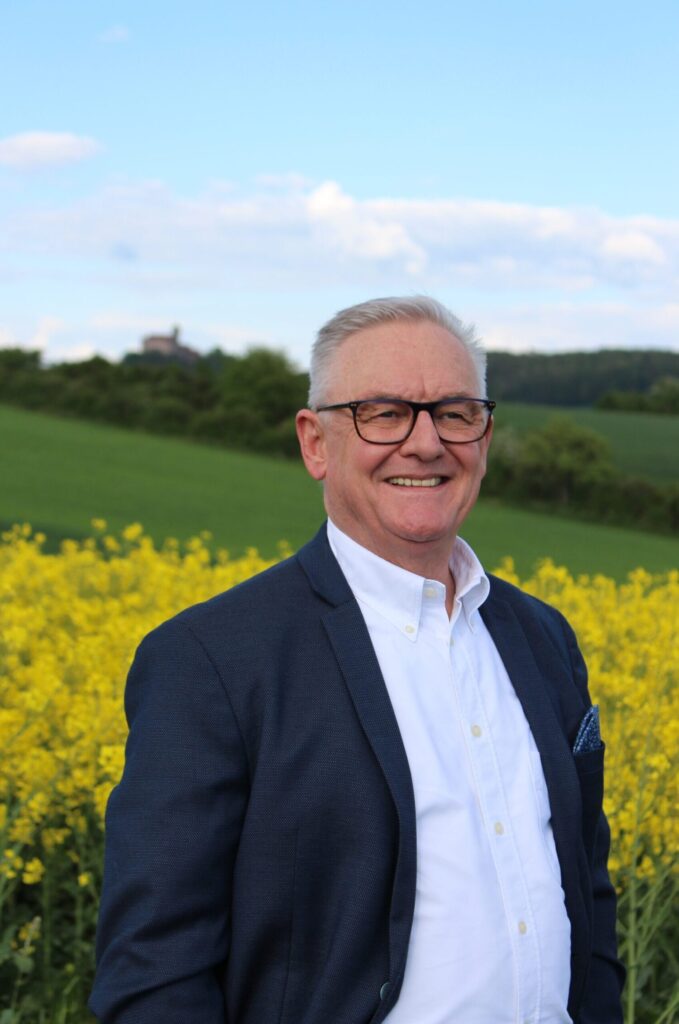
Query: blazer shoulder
pixel 275 588
pixel 265 605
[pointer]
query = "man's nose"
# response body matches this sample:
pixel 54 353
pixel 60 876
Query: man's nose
pixel 423 440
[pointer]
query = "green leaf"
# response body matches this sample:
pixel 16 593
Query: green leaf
pixel 24 964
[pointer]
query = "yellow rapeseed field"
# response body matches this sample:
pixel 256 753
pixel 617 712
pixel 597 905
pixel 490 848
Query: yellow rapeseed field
pixel 69 625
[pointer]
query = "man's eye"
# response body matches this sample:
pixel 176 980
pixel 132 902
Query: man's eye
pixel 381 414
pixel 459 414
pixel 452 416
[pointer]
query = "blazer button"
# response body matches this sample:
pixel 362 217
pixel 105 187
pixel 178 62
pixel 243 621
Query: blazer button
pixel 384 991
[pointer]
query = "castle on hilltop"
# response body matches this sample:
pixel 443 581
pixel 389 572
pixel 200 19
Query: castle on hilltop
pixel 168 345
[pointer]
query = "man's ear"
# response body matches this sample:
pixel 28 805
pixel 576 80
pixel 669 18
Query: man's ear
pixel 312 442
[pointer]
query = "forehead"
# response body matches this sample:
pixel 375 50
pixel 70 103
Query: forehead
pixel 418 360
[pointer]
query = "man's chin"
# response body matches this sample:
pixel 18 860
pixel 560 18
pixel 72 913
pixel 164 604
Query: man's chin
pixel 424 534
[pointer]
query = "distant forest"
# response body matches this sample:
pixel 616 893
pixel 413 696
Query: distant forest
pixel 249 402
pixel 578 378
pixel 563 379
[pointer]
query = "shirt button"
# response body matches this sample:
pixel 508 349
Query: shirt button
pixel 384 991
pixel 410 629
pixel 476 730
pixel 499 831
pixel 429 592
pixel 523 927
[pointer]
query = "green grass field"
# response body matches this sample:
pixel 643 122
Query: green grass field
pixel 59 474
pixel 642 444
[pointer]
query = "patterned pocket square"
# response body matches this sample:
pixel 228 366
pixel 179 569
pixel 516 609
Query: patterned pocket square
pixel 588 737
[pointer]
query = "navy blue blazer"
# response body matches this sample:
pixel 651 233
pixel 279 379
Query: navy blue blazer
pixel 260 847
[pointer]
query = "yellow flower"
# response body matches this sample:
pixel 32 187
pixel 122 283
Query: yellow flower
pixel 133 531
pixel 30 931
pixel 71 622
pixel 33 872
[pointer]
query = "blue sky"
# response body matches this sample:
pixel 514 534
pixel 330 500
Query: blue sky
pixel 246 171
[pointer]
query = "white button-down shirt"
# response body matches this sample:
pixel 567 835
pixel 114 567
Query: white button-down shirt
pixel 490 941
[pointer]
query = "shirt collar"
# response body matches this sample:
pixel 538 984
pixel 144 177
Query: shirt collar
pixel 397 594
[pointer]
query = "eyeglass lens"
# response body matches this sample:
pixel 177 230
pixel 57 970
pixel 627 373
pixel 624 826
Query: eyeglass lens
pixel 390 421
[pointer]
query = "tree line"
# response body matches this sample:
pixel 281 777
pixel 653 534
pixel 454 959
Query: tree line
pixel 578 378
pixel 662 397
pixel 244 402
pixel 249 402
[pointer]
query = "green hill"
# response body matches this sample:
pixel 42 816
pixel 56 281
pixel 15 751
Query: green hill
pixel 59 474
pixel 642 444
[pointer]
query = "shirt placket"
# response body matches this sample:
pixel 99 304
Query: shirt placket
pixel 498 826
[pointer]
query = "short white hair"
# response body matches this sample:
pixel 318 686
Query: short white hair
pixel 380 311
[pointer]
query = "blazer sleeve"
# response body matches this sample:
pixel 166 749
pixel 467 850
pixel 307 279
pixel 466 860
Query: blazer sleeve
pixel 172 829
pixel 601 1003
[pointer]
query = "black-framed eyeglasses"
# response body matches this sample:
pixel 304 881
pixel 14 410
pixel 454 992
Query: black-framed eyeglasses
pixel 458 420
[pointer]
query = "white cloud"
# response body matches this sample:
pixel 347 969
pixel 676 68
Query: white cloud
pixel 634 245
pixel 322 236
pixel 530 276
pixel 77 353
pixel 41 149
pixel 115 34
pixel 8 338
pixel 557 327
pixel 360 233
pixel 43 337
pixel 566 326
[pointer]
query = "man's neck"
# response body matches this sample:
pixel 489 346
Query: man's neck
pixel 426 559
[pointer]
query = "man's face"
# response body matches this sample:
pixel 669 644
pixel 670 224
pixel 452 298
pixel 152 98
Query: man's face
pixel 422 362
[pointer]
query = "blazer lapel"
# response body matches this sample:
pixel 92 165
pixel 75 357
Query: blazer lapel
pixel 532 689
pixel 348 635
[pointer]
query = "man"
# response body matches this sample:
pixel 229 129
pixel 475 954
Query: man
pixel 350 789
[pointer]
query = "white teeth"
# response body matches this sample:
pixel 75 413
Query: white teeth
pixel 408 481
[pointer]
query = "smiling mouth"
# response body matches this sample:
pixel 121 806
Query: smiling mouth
pixel 410 481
